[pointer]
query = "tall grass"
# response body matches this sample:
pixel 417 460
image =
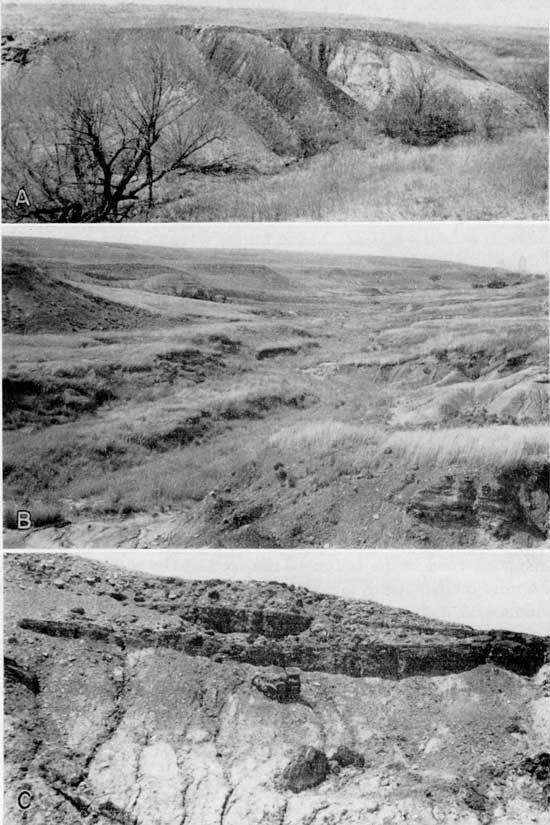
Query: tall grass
pixel 43 514
pixel 178 478
pixel 497 447
pixel 322 436
pixel 465 179
pixel 326 450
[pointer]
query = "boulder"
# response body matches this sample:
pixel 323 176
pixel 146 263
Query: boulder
pixel 278 684
pixel 308 769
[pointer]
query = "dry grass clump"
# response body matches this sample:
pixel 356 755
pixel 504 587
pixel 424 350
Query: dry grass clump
pixel 467 336
pixel 125 442
pixel 532 338
pixel 254 402
pixel 495 446
pixel 42 513
pixel 320 434
pixel 177 478
pixel 467 179
pixel 327 449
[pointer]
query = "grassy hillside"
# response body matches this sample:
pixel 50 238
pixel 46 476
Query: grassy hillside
pixel 465 180
pixel 295 400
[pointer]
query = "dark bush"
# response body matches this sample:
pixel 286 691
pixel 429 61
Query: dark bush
pixel 422 114
pixel 10 516
pixel 533 85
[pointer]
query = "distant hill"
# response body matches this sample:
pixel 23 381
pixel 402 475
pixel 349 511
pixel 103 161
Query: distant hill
pixel 251 273
pixel 491 50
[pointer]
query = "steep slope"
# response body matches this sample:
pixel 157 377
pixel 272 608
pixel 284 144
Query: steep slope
pixel 135 699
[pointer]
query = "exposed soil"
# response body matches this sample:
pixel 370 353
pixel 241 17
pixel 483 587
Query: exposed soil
pixel 34 302
pixel 109 674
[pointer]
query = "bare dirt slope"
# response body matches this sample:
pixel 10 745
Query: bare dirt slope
pixel 37 302
pixel 299 400
pixel 243 693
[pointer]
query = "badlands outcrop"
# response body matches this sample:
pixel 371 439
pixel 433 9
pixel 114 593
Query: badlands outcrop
pixel 288 93
pixel 138 699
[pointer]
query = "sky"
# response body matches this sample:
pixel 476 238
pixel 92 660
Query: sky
pixel 486 12
pixel 518 246
pixel 485 589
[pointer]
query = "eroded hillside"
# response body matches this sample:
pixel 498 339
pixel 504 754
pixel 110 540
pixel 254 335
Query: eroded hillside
pixel 263 703
pixel 293 92
pixel 278 117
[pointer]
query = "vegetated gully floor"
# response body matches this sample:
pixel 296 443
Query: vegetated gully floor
pixel 263 423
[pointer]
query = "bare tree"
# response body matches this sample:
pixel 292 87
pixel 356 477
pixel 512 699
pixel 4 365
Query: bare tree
pixel 92 130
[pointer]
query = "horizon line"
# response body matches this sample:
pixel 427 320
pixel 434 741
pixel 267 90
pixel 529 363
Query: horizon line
pixel 271 250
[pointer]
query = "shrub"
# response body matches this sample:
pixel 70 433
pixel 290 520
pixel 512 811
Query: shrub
pixel 423 114
pixel 42 515
pixel 533 85
pixel 490 117
pixel 10 515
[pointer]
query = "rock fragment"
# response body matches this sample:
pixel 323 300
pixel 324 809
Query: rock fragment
pixel 308 769
pixel 346 757
pixel 278 684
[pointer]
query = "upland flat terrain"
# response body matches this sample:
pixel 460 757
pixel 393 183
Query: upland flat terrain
pixel 490 50
pixel 137 699
pixel 268 116
pixel 158 397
